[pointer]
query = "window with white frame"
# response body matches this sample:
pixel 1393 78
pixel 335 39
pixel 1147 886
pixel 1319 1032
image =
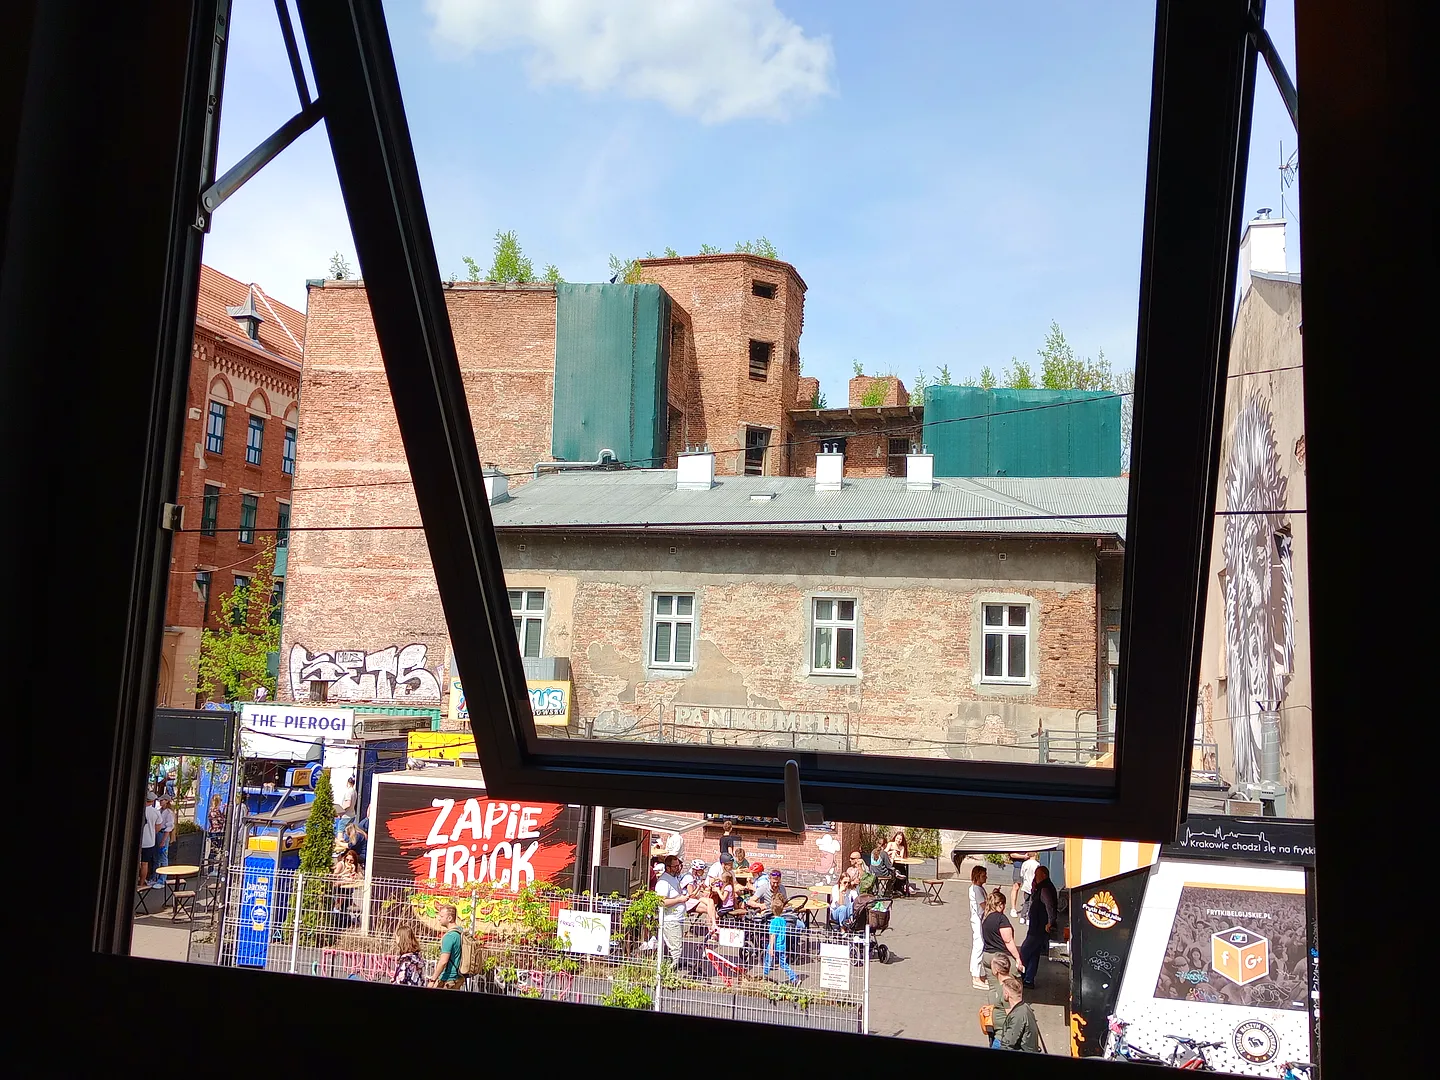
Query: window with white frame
pixel 672 638
pixel 1007 643
pixel 527 607
pixel 832 634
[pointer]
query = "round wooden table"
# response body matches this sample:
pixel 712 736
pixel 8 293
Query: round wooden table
pixel 180 897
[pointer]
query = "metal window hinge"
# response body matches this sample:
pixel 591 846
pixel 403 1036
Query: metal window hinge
pixel 172 517
pixel 794 812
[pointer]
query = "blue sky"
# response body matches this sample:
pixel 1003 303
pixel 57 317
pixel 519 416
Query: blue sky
pixel 947 179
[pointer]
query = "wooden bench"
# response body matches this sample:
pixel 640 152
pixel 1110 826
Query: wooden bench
pixel 932 890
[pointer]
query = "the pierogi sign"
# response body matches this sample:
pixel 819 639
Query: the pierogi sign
pixel 298 721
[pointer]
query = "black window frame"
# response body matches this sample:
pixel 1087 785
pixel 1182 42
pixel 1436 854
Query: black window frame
pixel 1200 113
pixel 215 420
pixel 203 582
pixel 282 526
pixel 255 440
pixel 249 518
pixel 756 450
pixel 240 612
pixel 209 509
pixel 287 454
pixel 277 601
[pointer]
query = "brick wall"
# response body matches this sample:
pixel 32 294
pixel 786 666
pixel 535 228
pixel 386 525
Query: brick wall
pixel 791 853
pixel 716 294
pixel 892 390
pixel 919 653
pixel 806 388
pixel 867 443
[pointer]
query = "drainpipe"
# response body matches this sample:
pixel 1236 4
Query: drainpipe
pixel 607 457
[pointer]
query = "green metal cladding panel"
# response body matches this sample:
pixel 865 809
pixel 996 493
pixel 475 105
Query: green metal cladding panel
pixel 612 355
pixel 1004 432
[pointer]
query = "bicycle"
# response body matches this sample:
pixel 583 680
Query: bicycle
pixel 1119 1048
pixel 1194 1059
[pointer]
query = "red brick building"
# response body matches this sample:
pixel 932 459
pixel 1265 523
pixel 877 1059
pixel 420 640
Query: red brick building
pixel 239 461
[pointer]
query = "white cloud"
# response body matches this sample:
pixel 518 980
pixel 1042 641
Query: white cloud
pixel 716 60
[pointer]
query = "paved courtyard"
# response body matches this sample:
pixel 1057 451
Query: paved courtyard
pixel 924 992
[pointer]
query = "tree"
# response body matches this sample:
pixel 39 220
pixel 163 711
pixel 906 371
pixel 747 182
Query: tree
pixel 1061 369
pixel 942 377
pixel 987 378
pixel 315 859
pixel 709 249
pixel 1125 384
pixel 874 395
pixel 233 658
pixel 509 263
pixel 762 247
pixel 552 274
pixel 1018 375
pixel 671 253
pixel 917 388
pixel 625 270
pixel 340 268
pixel 818 400
pixel 859 368
pixel 472 268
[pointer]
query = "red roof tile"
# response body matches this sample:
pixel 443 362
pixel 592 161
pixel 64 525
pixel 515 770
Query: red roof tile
pixel 219 291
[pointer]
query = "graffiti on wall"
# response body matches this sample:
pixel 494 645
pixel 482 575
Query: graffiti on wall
pixel 394 673
pixel 1259 584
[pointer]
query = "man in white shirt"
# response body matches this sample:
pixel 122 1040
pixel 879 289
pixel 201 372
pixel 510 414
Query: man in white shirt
pixel 676 846
pixel 150 823
pixel 672 907
pixel 1027 884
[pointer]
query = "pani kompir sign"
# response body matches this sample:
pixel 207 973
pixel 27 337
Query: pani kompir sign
pixel 456 837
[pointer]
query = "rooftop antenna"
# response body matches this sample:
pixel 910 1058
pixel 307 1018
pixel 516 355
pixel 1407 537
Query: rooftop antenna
pixel 1289 172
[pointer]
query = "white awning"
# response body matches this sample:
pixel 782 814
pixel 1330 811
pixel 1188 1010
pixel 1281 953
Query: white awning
pixel 654 821
pixel 979 843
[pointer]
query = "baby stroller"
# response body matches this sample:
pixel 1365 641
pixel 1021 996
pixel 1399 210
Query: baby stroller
pixel 874 913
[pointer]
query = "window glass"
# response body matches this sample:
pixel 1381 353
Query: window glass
pixel 215 429
pixel 254 440
pixel 249 511
pixel 287 461
pixel 209 510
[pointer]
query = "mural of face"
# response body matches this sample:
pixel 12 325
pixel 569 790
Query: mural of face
pixel 1259 584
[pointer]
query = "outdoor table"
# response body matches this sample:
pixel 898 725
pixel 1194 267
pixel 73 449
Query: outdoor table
pixel 347 890
pixel 908 861
pixel 179 897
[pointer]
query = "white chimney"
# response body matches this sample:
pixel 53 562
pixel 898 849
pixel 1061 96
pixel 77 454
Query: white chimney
pixel 1262 249
pixel 497 486
pixel 695 472
pixel 829 472
pixel 919 472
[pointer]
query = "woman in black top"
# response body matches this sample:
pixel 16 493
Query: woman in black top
pixel 996 932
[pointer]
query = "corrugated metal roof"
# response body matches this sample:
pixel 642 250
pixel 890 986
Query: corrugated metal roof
pixel 1288 278
pixel 641 498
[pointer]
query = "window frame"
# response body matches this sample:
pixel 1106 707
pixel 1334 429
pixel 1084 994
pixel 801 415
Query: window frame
pixel 672 619
pixel 836 623
pixel 249 505
pixel 209 509
pixel 763 447
pixel 215 440
pixel 204 586
pixel 769 347
pixel 526 614
pixel 282 524
pixel 240 614
pixel 1200 104
pixel 287 451
pixel 1005 632
pixel 255 440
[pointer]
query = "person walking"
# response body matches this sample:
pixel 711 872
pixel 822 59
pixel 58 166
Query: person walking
pixel 1027 884
pixel 1019 1030
pixel 1044 913
pixel 447 965
pixel 1016 859
pixel 977 915
pixel 776 949
pixel 409 968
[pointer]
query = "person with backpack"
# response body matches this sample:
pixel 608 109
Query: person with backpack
pixel 447 974
pixel 409 968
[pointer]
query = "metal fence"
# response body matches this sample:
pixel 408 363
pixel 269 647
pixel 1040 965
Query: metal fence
pixel 551 944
